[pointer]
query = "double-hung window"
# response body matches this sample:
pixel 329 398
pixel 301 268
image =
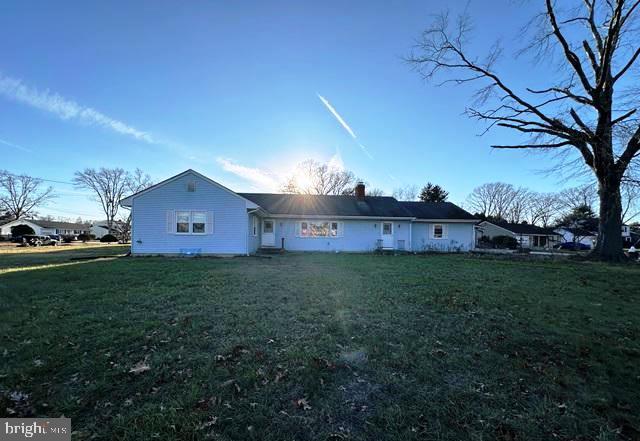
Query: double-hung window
pixel 191 222
pixel 198 222
pixel 438 231
pixel 183 219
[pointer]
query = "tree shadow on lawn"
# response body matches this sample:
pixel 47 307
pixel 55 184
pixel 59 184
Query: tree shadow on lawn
pixel 301 349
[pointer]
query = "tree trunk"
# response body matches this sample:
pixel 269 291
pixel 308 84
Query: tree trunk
pixel 609 242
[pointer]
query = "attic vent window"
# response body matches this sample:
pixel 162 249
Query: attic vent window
pixel 191 187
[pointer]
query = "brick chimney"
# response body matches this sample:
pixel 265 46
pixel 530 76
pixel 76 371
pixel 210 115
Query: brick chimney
pixel 360 191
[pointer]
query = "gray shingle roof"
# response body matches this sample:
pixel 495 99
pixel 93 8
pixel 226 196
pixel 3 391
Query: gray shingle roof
pixel 373 206
pixel 60 225
pixel 327 205
pixel 525 228
pixel 437 210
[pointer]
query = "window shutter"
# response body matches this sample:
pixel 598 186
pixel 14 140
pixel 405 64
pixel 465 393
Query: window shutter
pixel 432 231
pixel 298 229
pixel 171 225
pixel 209 227
pixel 340 229
pixel 445 231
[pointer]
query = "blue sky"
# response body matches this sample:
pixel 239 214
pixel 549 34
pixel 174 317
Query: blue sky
pixel 241 91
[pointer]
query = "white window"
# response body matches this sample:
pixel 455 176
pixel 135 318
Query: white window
pixel 192 222
pixel 199 222
pixel 191 187
pixel 255 225
pixel 438 231
pixel 182 221
pixel 320 229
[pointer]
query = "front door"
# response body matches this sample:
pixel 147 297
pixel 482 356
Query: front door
pixel 387 234
pixel 268 234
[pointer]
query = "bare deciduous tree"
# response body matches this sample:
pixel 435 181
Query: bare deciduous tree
pixel 313 177
pixel 137 182
pixel 518 206
pixel 494 200
pixel 542 208
pixel 589 105
pixel 630 202
pixel 375 192
pixel 573 197
pixel 407 193
pixel 20 195
pixel 108 186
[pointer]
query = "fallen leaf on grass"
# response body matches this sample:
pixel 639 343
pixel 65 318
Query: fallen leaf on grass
pixel 212 421
pixel 303 404
pixel 280 375
pixel 140 367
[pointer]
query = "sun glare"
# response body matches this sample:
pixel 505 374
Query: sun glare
pixel 303 180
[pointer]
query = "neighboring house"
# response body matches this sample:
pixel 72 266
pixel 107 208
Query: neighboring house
pixel 99 229
pixel 579 235
pixel 626 235
pixel 587 237
pixel 528 235
pixel 192 214
pixel 45 227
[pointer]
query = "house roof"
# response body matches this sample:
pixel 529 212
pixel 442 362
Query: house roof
pixel 127 201
pixel 53 224
pixel 578 231
pixel 524 228
pixel 437 210
pixel 279 204
pixel 327 205
pixel 61 225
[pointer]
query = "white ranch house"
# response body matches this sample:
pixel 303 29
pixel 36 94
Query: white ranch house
pixel 527 235
pixel 192 214
pixel 45 227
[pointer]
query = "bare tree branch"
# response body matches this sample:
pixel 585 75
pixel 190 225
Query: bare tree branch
pixel 20 195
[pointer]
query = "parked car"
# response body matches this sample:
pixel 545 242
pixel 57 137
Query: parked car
pixel 34 240
pixel 574 246
pixel 56 237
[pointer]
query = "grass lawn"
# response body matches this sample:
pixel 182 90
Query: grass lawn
pixel 327 347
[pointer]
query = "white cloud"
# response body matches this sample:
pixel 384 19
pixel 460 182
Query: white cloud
pixel 66 109
pixel 15 146
pixel 261 179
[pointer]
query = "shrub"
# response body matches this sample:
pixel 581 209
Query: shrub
pixel 108 238
pixel 84 237
pixel 508 242
pixel 68 239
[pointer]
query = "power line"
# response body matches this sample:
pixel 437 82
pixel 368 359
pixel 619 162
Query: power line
pixel 42 179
